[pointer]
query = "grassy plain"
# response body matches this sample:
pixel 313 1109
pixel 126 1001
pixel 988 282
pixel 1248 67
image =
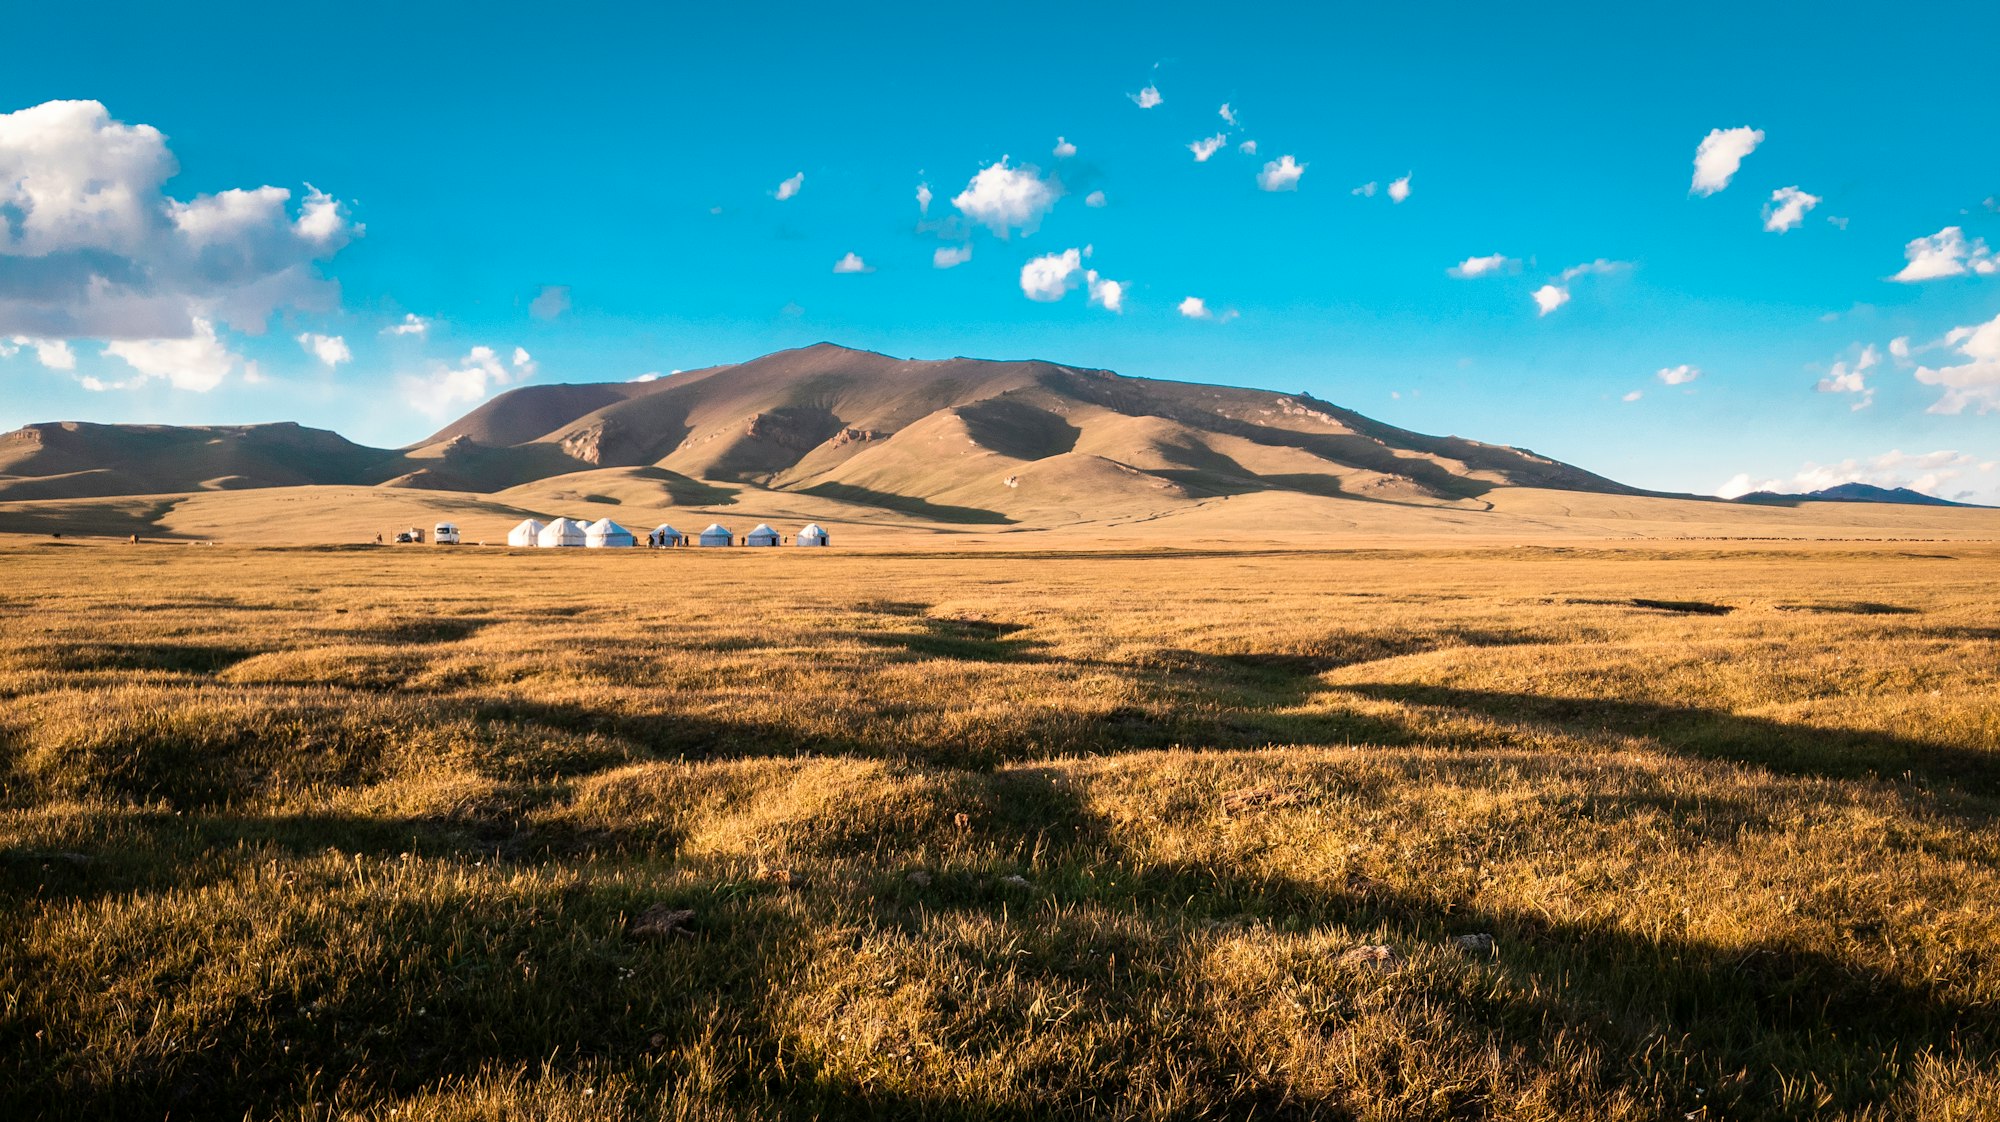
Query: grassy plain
pixel 365 833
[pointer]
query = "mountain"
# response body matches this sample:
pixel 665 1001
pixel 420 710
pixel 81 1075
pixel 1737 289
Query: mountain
pixel 1851 493
pixel 956 440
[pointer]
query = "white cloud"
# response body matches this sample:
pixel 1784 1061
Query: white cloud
pixel 951 256
pixel 1481 266
pixel 1946 253
pixel 1248 148
pixel 852 263
pixel 1194 308
pixel 1048 277
pixel 1105 293
pixel 1226 113
pixel 790 186
pixel 1845 377
pixel 1899 349
pixel 1944 474
pixel 1366 190
pixel 1064 149
pixel 1281 174
pixel 197 363
pixel 551 302
pixel 450 388
pixel 1678 375
pixel 1094 199
pixel 1787 209
pixel 924 197
pixel 1208 146
pixel 1399 190
pixel 52 353
pixel 1720 154
pixel 92 246
pixel 1003 198
pixel 1633 396
pixel 413 324
pixel 1555 294
pixel 1974 382
pixel 648 376
pixel 329 349
pixel 1147 98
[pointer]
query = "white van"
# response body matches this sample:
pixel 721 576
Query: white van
pixel 444 533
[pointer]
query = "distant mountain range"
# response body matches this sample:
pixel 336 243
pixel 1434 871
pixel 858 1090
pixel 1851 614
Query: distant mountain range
pixel 957 440
pixel 1851 493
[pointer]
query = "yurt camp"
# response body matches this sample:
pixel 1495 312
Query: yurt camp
pixel 606 534
pixel 762 535
pixel 563 532
pixel 813 534
pixel 666 537
pixel 527 535
pixel 717 535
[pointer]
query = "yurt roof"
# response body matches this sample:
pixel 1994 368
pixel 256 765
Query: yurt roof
pixel 663 528
pixel 530 524
pixel 605 526
pixel 715 528
pixel 813 528
pixel 763 528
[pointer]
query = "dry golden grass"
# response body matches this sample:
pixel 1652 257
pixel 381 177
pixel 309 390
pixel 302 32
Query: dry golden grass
pixel 361 833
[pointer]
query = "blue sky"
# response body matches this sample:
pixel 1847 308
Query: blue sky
pixel 591 193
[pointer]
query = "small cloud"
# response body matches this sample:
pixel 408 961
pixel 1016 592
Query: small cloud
pixel 1094 199
pixel 551 302
pixel 1226 113
pixel 1899 349
pixel 1838 222
pixel 1399 190
pixel 1549 297
pixel 1947 253
pixel 197 363
pixel 1974 382
pixel 1473 267
pixel 1366 190
pixel 1633 396
pixel 450 387
pixel 852 263
pixel 1846 377
pixel 792 310
pixel 1003 198
pixel 1720 154
pixel 52 353
pixel 790 187
pixel 1049 277
pixel 1787 209
pixel 1105 293
pixel 951 256
pixel 1206 147
pixel 1678 375
pixel 1147 98
pixel 1194 308
pixel 413 324
pixel 329 349
pixel 1064 149
pixel 648 376
pixel 1281 174
pixel 1248 148
pixel 1554 295
pixel 924 198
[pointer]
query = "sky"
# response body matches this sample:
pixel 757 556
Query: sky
pixel 1708 249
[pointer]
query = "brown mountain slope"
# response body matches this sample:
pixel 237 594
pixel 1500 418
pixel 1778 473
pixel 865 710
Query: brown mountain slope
pixel 954 440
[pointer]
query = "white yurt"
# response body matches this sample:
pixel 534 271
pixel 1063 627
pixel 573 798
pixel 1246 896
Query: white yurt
pixel 561 532
pixel 606 534
pixel 668 536
pixel 762 535
pixel 717 534
pixel 526 535
pixel 813 534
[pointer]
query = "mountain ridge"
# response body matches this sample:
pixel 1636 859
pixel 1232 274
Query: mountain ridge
pixel 1022 441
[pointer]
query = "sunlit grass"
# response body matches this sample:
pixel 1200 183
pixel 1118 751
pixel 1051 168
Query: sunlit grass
pixel 308 834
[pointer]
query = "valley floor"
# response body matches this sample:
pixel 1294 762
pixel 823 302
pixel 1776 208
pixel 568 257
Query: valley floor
pixel 304 833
